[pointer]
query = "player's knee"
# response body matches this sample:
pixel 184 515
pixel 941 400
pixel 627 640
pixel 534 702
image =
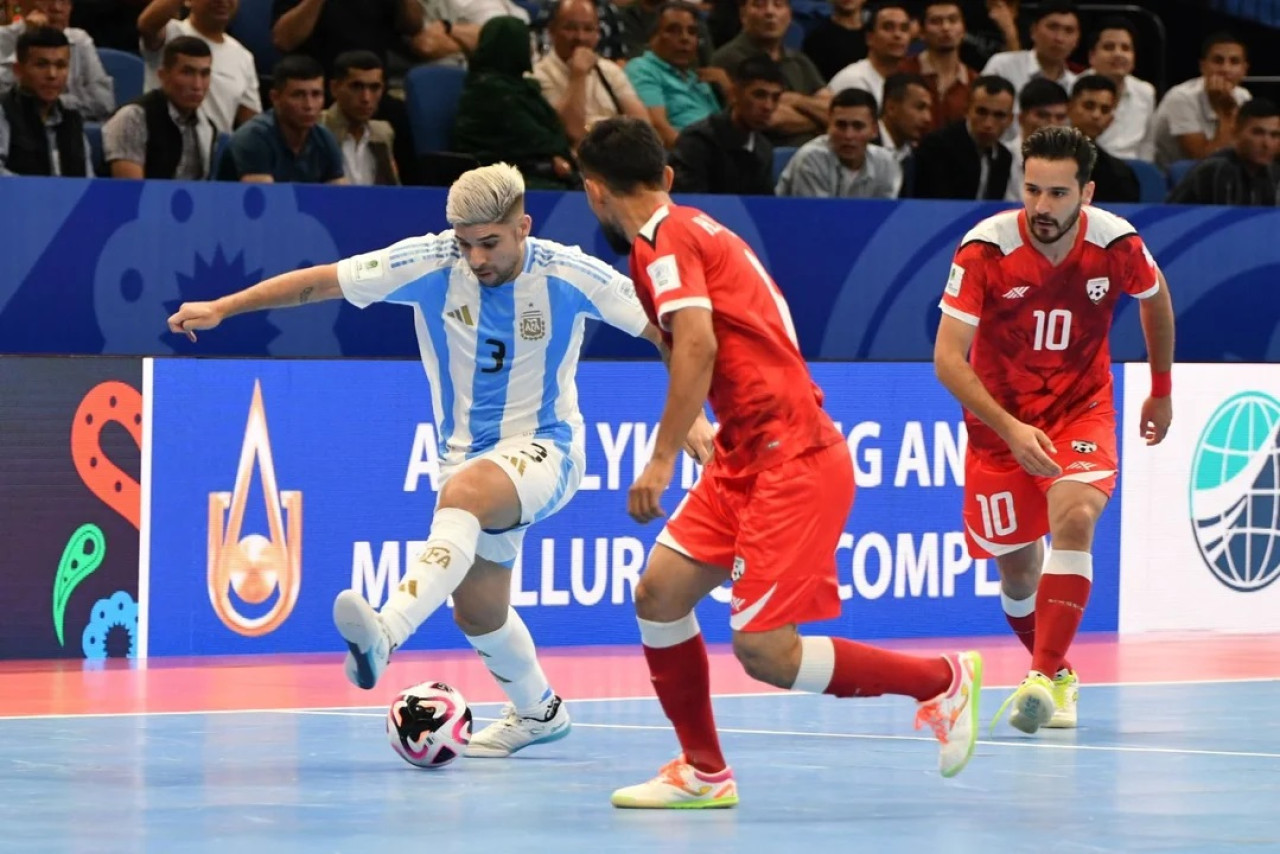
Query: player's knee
pixel 461 492
pixel 1075 523
pixel 765 658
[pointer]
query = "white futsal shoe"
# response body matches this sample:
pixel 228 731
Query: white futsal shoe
pixel 513 733
pixel 368 644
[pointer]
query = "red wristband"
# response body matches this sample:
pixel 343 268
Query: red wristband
pixel 1161 384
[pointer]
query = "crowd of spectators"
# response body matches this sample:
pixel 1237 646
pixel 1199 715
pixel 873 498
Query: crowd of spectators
pixel 928 99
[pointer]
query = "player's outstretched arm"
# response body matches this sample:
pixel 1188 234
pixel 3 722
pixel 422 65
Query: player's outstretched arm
pixel 693 358
pixel 1156 314
pixel 1030 446
pixel 294 288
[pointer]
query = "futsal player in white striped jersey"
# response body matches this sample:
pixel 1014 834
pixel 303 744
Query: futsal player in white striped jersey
pixel 499 318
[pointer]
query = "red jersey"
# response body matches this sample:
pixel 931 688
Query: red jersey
pixel 768 406
pixel 1041 348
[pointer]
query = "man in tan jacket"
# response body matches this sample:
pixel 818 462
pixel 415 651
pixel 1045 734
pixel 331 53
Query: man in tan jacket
pixel 357 86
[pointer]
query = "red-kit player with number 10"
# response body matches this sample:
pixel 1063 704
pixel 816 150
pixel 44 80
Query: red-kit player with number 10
pixel 1023 346
pixel 771 504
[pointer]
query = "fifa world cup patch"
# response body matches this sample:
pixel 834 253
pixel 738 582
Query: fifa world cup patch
pixel 1082 447
pixel 954 280
pixel 665 274
pixel 367 268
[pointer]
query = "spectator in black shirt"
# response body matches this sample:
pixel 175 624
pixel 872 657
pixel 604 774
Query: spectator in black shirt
pixel 323 29
pixel 1245 174
pixel 728 152
pixel 838 40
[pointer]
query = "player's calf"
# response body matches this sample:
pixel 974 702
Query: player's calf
pixel 771 657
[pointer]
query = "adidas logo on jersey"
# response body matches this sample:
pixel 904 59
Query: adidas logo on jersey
pixel 462 314
pixel 1017 293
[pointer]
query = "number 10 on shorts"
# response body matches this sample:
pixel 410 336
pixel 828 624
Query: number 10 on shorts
pixel 998 516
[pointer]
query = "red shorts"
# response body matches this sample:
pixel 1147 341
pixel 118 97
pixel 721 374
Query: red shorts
pixel 1005 508
pixel 775 532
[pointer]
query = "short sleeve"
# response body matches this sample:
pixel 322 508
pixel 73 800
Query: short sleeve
pixel 124 136
pixel 250 97
pixel 671 271
pixel 647 82
pixel 279 7
pixel 963 296
pixel 251 153
pixel 1135 267
pixel 1183 114
pixel 617 78
pixel 379 276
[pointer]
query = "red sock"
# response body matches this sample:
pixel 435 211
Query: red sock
pixel 867 671
pixel 1064 591
pixel 682 679
pixel 1025 629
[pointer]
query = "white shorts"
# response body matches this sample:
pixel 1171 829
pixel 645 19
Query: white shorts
pixel 546 474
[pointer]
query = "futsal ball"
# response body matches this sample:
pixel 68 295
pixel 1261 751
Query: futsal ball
pixel 429 725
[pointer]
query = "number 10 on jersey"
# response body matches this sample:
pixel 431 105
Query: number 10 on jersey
pixel 1053 329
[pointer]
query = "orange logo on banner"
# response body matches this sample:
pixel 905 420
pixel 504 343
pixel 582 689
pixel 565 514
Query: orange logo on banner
pixel 254 566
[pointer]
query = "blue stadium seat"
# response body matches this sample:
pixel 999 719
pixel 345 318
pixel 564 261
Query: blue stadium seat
pixel 1179 170
pixel 219 152
pixel 93 133
pixel 1151 181
pixel 252 28
pixel 781 157
pixel 431 93
pixel 126 70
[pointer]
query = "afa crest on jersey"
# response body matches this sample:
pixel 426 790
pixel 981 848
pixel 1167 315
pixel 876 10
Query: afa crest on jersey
pixel 533 326
pixel 1082 447
pixel 1097 288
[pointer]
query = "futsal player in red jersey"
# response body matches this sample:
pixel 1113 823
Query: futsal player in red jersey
pixel 1023 345
pixel 772 502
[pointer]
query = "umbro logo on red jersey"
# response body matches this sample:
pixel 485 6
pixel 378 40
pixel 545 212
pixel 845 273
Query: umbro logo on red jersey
pixel 1017 293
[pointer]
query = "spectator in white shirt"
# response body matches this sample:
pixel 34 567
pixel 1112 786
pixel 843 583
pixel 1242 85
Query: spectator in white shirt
pixel 1111 54
pixel 843 163
pixel 888 35
pixel 1055 33
pixel 233 96
pixel 1198 117
pixel 582 87
pixel 90 91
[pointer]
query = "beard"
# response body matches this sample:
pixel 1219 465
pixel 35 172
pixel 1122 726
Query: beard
pixel 1062 227
pixel 616 238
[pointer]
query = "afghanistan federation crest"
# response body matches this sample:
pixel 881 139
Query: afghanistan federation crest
pixel 1097 288
pixel 1082 447
pixel 533 326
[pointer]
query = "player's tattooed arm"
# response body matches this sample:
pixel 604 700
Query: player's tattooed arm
pixel 296 287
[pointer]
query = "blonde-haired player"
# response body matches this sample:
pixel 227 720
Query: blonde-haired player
pixel 499 316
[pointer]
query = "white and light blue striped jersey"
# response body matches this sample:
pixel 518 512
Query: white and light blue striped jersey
pixel 501 360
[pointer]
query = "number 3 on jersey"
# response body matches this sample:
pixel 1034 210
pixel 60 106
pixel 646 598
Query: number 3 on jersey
pixel 1053 329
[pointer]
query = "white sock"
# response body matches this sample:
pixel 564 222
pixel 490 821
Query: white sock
pixel 511 658
pixel 817 665
pixel 1018 607
pixel 428 583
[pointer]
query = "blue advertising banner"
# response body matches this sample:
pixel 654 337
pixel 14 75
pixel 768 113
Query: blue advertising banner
pixel 112 259
pixel 276 484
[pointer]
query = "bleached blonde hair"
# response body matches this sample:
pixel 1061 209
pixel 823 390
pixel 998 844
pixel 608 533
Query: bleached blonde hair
pixel 487 195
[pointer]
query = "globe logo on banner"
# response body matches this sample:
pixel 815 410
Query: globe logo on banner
pixel 1235 492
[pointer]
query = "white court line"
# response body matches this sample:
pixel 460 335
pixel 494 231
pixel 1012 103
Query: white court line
pixel 863 736
pixel 576 700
